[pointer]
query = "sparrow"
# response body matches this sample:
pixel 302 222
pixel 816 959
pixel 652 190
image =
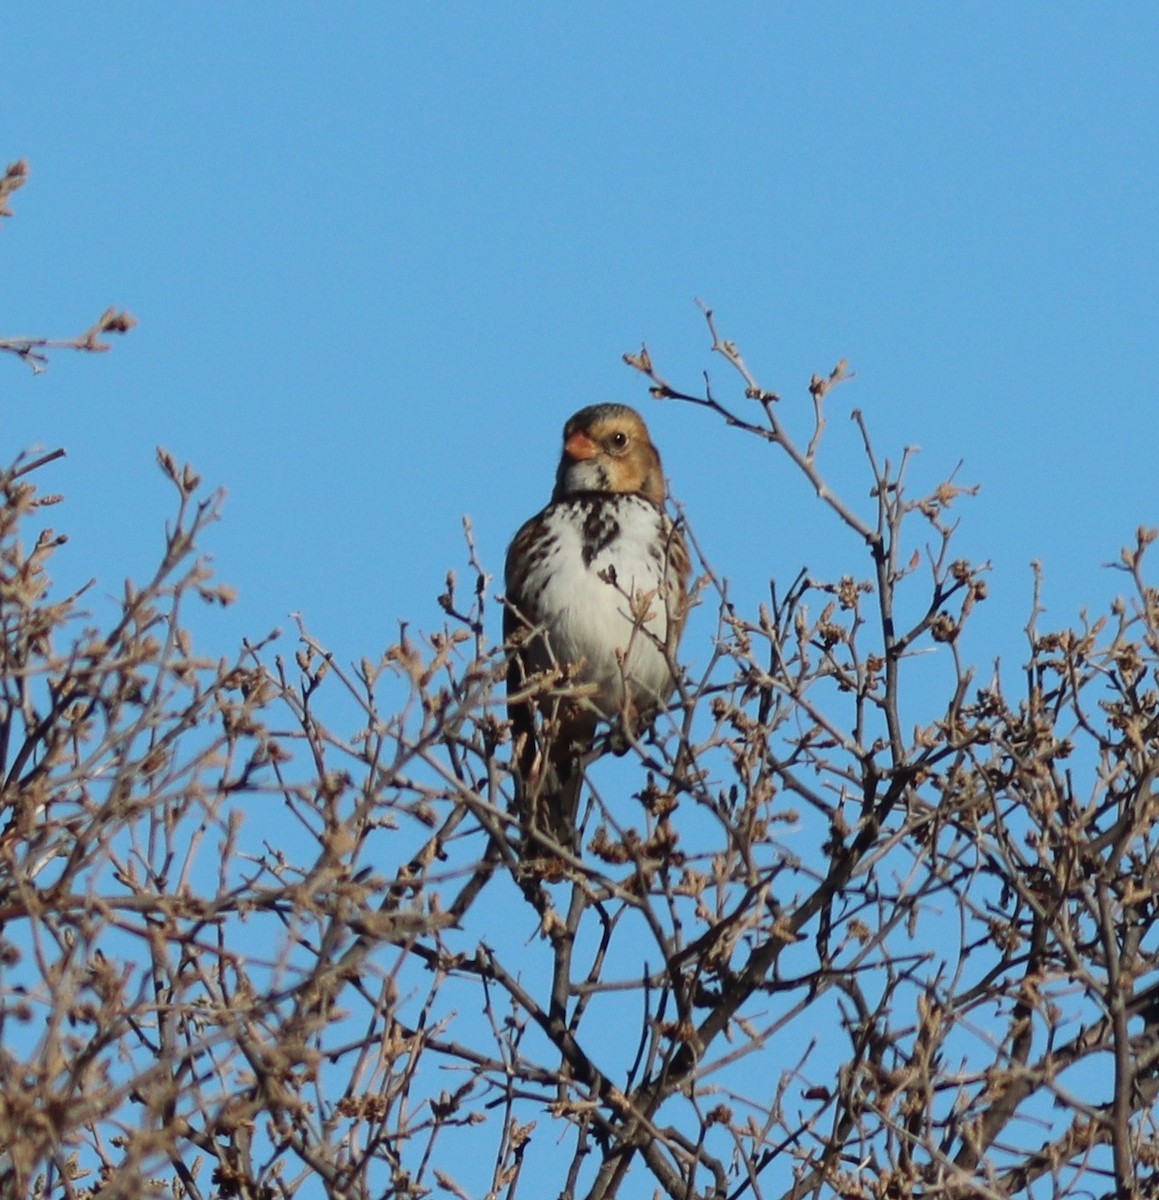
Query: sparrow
pixel 597 594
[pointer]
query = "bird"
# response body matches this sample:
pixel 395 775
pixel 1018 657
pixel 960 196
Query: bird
pixel 596 592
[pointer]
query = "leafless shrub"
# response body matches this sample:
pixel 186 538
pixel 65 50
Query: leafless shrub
pixel 269 930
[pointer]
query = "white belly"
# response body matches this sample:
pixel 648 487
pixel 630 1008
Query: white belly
pixel 619 630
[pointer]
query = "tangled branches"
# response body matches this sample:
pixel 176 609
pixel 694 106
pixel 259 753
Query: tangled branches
pixel 808 948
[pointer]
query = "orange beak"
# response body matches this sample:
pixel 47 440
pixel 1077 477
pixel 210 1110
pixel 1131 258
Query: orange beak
pixel 580 446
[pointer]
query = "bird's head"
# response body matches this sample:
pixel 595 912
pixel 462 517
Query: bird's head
pixel 606 448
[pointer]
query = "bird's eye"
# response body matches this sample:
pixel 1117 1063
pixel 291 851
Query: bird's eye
pixel 618 440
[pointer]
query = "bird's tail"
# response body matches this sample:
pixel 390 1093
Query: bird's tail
pixel 548 792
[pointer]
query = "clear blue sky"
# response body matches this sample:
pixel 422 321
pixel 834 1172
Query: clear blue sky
pixel 380 252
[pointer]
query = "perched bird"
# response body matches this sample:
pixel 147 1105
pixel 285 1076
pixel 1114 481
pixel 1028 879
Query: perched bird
pixel 597 586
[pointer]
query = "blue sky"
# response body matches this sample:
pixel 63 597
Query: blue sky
pixel 379 253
